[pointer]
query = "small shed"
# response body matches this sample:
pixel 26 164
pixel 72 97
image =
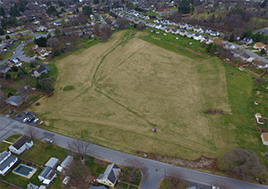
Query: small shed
pixel 52 162
pixel 264 138
pixel 66 180
pixel 66 162
pixel 32 186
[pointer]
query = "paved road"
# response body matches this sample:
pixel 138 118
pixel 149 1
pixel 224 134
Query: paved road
pixel 18 53
pixel 250 53
pixel 263 30
pixel 156 170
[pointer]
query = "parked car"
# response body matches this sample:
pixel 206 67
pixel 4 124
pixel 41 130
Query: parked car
pixel 25 120
pixel 48 140
pixel 10 112
pixel 36 120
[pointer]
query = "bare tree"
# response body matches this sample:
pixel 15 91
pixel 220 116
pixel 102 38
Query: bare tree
pixel 31 132
pixel 139 165
pixel 243 163
pixel 221 183
pixel 105 33
pixel 80 147
pixel 174 177
pixel 141 26
pixel 96 28
pixel 31 51
pixel 79 170
pixel 53 42
pixel 122 23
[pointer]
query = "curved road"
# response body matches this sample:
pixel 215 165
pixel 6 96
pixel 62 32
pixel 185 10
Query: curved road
pixel 156 170
pixel 18 53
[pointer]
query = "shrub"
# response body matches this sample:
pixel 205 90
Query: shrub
pixel 68 88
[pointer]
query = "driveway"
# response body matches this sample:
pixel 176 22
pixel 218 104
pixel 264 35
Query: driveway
pixel 155 170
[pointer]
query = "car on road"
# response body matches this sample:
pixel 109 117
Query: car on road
pixel 48 140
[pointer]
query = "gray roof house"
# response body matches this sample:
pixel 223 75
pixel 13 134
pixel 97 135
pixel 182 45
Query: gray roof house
pixel 15 100
pixel 4 69
pixel 20 145
pixel 32 186
pixel 7 160
pixel 37 72
pixel 48 173
pixel 110 175
pixel 66 162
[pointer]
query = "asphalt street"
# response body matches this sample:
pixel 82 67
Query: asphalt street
pixel 155 170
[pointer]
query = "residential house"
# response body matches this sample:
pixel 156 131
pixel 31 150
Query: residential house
pixel 42 53
pixel 15 100
pixel 48 173
pixel 7 160
pixel 78 33
pixel 20 145
pixel 168 30
pixel 14 62
pixel 65 163
pixel 264 138
pixel 259 118
pixel 183 26
pixel 175 31
pixel 241 55
pixel 41 29
pixel 190 34
pixel 197 29
pixel 183 33
pixel 229 46
pixel 247 41
pixel 37 72
pixel 11 30
pixel 214 33
pixel 197 37
pixel 4 68
pixel 88 32
pixel 110 175
pixel 189 27
pixel 259 64
pixel 206 39
pixel 259 46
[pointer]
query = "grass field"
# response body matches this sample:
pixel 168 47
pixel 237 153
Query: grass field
pixel 121 91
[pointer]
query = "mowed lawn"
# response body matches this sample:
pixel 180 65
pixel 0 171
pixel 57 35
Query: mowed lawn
pixel 121 91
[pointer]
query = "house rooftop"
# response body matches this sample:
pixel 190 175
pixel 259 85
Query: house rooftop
pixel 265 136
pixel 21 141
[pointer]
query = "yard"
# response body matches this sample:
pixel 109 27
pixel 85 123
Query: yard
pixel 122 90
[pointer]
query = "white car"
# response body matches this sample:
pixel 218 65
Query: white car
pixel 36 120
pixel 49 141
pixel 25 120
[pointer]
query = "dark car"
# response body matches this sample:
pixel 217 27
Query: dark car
pixel 10 112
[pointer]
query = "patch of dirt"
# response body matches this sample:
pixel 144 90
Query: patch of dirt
pixel 201 163
pixel 155 37
pixel 100 162
pixel 191 50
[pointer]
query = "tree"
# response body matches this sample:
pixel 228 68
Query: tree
pixel 138 165
pixel 105 33
pixel 79 170
pixel 32 65
pixel 96 28
pixel 243 163
pixel 184 9
pixel 141 26
pixel 31 132
pixel 87 10
pixel 22 5
pixel 8 76
pixel 48 3
pixel 80 147
pixel 2 11
pixel 46 85
pixel 56 52
pixel 96 2
pixel 7 37
pixel 263 51
pixel 174 177
pixel 31 50
pixel 51 9
pixel 14 68
pixel 231 39
pixel 2 32
pixel 41 41
pixel 14 11
pixel 53 42
pixel 61 3
pixel 122 23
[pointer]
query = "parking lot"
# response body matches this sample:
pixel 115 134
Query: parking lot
pixel 26 117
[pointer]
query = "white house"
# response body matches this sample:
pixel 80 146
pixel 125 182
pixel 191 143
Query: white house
pixel 7 160
pixel 197 29
pixel 264 138
pixel 20 145
pixel 197 37
pixel 259 118
pixel 110 175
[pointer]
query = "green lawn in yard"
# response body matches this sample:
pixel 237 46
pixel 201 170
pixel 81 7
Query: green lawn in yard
pixel 122 186
pixel 5 186
pixel 7 55
pixel 149 13
pixel 13 138
pixel 27 47
pixel 95 169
